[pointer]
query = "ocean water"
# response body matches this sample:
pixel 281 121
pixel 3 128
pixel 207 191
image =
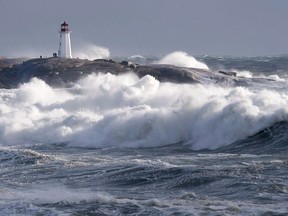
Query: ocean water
pixel 120 145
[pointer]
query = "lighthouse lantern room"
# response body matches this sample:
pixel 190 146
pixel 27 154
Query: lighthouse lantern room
pixel 64 50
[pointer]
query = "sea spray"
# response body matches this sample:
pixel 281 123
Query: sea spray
pixel 125 111
pixel 182 59
pixel 91 52
pixel 248 74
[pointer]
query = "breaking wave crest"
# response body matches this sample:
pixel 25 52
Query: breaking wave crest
pixel 182 59
pixel 124 111
pixel 92 52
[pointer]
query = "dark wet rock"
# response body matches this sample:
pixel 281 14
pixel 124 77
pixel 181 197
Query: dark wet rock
pixel 128 64
pixel 166 73
pixel 63 72
pixel 56 71
pixel 228 73
pixel 104 60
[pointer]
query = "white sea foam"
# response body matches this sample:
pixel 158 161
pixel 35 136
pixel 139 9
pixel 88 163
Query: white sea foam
pixel 107 110
pixel 91 52
pixel 182 59
pixel 58 193
pixel 136 57
pixel 248 74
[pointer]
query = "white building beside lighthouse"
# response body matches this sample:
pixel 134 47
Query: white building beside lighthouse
pixel 64 50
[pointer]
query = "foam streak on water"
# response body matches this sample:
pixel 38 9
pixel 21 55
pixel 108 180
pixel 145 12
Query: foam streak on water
pixel 54 179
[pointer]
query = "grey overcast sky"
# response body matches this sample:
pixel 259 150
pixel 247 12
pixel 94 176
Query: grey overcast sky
pixel 147 27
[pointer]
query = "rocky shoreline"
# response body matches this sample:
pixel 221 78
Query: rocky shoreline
pixel 62 72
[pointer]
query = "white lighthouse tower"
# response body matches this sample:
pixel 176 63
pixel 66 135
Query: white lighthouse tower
pixel 65 43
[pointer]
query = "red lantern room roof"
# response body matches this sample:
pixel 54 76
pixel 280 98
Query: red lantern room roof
pixel 64 24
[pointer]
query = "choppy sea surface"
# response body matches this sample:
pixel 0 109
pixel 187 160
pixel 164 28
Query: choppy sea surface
pixel 120 145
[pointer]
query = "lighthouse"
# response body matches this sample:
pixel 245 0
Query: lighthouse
pixel 64 50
